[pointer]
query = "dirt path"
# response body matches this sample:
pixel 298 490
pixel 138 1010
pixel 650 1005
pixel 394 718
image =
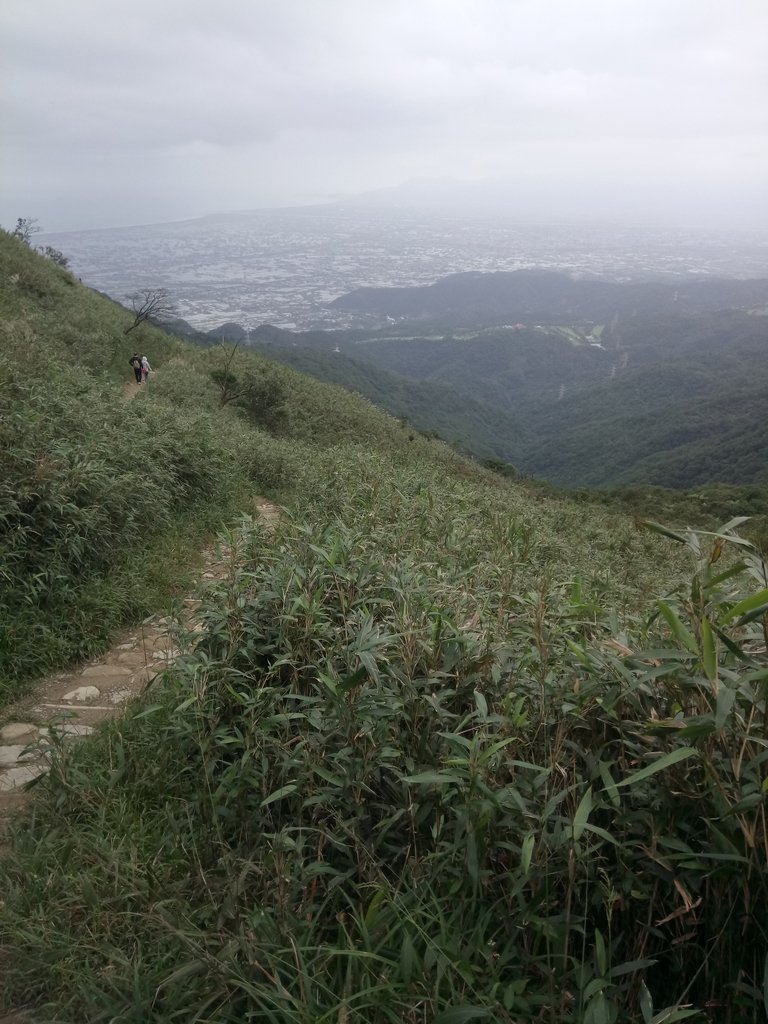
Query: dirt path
pixel 67 706
pixel 130 390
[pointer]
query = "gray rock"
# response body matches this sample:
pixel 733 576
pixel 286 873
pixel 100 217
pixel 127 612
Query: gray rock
pixel 70 730
pixel 83 693
pixel 13 753
pixel 104 671
pixel 120 696
pixel 19 732
pixel 15 777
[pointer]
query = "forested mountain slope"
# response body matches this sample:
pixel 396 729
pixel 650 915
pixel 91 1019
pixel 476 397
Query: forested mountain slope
pixel 477 298
pixel 689 408
pixel 674 400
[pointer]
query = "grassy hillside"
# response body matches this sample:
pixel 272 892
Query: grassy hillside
pixel 450 748
pixel 103 501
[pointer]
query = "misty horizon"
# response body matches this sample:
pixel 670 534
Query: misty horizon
pixel 643 111
pixel 452 199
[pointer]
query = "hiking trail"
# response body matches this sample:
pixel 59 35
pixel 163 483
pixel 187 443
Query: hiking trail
pixel 68 705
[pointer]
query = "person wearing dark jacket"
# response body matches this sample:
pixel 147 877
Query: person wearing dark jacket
pixel 135 362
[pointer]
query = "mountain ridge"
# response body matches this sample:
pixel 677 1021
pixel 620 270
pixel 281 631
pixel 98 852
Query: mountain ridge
pixel 479 297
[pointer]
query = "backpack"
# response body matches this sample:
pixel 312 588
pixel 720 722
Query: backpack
pixel 134 361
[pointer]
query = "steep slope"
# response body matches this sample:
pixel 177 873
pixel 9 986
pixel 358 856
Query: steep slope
pixel 476 427
pixel 511 369
pixel 688 408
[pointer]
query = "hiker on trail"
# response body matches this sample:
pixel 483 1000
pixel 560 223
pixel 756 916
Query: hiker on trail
pixel 146 369
pixel 135 362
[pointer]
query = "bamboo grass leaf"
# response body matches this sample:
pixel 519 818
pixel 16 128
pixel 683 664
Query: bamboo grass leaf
pixel 408 959
pixel 729 573
pixel 664 531
pixel 462 1014
pixel 708 650
pixel 756 613
pixel 351 681
pixel 431 779
pixel 581 816
pixel 752 606
pixel 481 704
pixel 681 632
pixel 279 794
pixel 601 958
pixel 673 1014
pixel 646 1003
pixel 725 700
pixel 610 785
pixel 526 853
pixel 734 523
pixel 660 765
pixel 730 644
pixel 631 967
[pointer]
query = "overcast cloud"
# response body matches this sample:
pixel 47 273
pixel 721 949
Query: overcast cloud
pixel 152 110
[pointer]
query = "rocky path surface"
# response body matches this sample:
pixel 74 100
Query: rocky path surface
pixel 67 706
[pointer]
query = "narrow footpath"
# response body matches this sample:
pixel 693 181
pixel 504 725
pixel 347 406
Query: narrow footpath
pixel 67 706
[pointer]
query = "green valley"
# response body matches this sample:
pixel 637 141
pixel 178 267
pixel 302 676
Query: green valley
pixel 672 396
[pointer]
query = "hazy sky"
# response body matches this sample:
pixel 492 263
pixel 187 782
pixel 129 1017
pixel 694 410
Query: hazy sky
pixel 150 110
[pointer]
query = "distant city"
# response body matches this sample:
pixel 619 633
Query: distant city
pixel 283 266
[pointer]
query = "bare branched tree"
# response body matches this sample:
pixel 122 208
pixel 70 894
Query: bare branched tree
pixel 25 228
pixel 230 386
pixel 28 226
pixel 153 304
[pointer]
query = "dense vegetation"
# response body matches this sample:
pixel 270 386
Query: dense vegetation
pixel 450 748
pixel 689 409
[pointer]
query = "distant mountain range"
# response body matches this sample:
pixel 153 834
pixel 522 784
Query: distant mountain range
pixel 544 294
